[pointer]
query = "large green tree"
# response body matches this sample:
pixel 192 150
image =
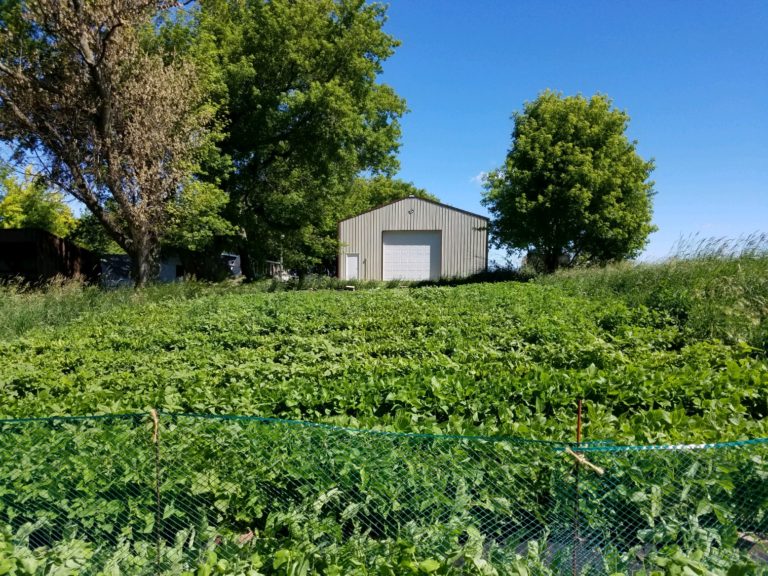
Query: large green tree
pixel 304 115
pixel 573 188
pixel 114 115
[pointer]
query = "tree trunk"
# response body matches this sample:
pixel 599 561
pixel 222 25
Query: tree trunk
pixel 551 262
pixel 145 261
pixel 247 261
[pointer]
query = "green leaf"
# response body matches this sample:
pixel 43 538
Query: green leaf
pixel 429 565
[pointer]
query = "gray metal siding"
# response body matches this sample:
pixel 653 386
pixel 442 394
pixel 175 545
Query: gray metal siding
pixel 464 236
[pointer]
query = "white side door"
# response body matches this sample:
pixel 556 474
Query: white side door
pixel 352 266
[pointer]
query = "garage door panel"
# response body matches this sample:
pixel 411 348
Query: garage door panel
pixel 411 255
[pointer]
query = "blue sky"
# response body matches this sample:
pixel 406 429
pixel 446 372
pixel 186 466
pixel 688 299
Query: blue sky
pixel 693 76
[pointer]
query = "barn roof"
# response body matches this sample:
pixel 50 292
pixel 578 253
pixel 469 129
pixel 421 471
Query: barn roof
pixel 468 213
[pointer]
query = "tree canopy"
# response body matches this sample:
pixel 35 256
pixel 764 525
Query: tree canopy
pixel 573 188
pixel 304 115
pixel 219 125
pixel 115 116
pixel 28 203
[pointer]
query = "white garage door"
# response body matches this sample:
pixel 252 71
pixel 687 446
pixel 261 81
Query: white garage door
pixel 411 255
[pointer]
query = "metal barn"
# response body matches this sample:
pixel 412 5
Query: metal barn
pixel 412 239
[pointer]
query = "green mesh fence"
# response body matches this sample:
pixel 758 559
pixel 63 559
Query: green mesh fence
pixel 187 494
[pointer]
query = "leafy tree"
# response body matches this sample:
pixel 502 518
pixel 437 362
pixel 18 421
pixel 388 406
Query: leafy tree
pixel 304 115
pixel 90 233
pixel 196 227
pixel 114 114
pixel 195 219
pixel 30 204
pixel 573 188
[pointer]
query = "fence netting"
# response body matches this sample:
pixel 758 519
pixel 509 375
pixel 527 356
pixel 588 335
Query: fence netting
pixel 197 495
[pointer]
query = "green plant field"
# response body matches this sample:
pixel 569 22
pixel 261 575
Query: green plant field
pixel 671 353
pixel 643 346
pixel 234 495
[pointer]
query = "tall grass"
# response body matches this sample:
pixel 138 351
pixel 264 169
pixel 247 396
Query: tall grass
pixel 61 301
pixel 712 287
pixel 24 307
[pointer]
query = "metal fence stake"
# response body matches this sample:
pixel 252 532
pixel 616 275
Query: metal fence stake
pixel 576 535
pixel 158 511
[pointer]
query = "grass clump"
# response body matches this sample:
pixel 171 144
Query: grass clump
pixel 62 301
pixel 711 288
pixel 23 308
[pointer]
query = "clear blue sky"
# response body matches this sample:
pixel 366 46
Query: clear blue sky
pixel 693 76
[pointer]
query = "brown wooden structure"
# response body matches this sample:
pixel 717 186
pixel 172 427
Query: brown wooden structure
pixel 37 256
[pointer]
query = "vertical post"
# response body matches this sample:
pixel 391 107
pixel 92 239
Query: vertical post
pixel 158 511
pixel 576 528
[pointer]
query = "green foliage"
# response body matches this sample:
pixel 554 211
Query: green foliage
pixel 572 189
pixel 712 288
pixel 242 496
pixel 90 233
pixel 195 218
pixel 304 115
pixel 491 358
pixel 30 204
pixel 194 224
